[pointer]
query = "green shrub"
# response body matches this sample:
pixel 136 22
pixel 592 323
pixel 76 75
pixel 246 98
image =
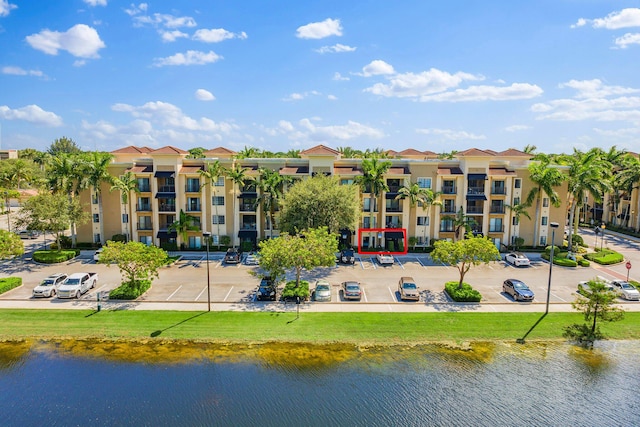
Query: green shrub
pixel 246 246
pixel 577 240
pixel 54 256
pixel 169 246
pixel 129 291
pixel 225 240
pixel 8 283
pixel 556 250
pixel 466 294
pixel 605 257
pixel 119 238
pixel 290 292
pixel 560 259
pixel 584 263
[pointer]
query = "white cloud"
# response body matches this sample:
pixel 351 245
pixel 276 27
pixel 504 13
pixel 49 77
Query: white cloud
pixel 190 57
pixel 17 71
pixel 336 48
pixel 595 89
pixel 417 85
pixel 171 36
pixel 517 128
pixel 320 30
pixel 332 97
pixel 80 41
pixel 307 131
pixel 96 2
pixel 625 18
pixel 6 7
pixel 204 95
pixel 299 96
pixel 216 35
pixel 628 39
pixel 165 20
pixel 337 76
pixel 376 68
pixel 135 10
pixel 451 135
pixel 487 93
pixel 168 115
pixel 32 114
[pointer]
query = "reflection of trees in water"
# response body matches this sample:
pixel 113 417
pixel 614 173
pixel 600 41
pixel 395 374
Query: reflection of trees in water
pixel 595 362
pixel 13 354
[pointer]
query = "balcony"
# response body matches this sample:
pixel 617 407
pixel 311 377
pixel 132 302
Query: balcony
pixel 193 207
pixel 500 191
pixel 395 209
pixel 474 210
pixel 248 207
pixel 475 190
pixel 192 188
pixel 166 207
pixel 496 229
pixel 393 189
pixel 497 210
pixel 144 188
pixel 248 226
pixel 144 226
pixel 166 189
pixel 143 207
pixel 448 190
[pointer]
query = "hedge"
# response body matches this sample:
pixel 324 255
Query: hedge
pixel 466 294
pixel 291 292
pixel 8 283
pixel 605 257
pixel 560 259
pixel 55 256
pixel 127 292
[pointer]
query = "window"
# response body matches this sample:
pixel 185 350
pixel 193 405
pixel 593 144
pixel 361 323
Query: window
pixel 96 217
pixel 495 225
pixel 220 182
pixel 366 223
pixel 423 220
pixel 147 240
pixel 424 182
pixel 515 221
pixel 497 187
pixel 218 219
pixel 367 205
pixel 217 200
pixel 420 241
pixel 195 242
pixel 125 218
pixel 545 220
pixel 545 202
pixel 543 240
pixel 516 201
pixel 449 187
pixel 517 183
pixel 448 205
pixel 446 224
pixel 143 184
pixel 96 238
pixel 346 181
pixel 193 185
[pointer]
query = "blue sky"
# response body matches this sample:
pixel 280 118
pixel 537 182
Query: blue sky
pixel 280 75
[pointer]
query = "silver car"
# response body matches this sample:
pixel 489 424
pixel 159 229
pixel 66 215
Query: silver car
pixel 322 292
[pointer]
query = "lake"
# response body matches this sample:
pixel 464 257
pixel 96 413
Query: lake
pixel 161 383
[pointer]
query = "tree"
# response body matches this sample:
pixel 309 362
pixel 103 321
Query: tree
pixel 516 211
pixel 237 175
pixel 461 224
pixel 349 153
pixel 545 178
pixel 315 247
pixel 417 195
pixel 135 260
pixel 319 201
pixel 372 181
pixel 271 185
pixel 196 153
pixel 7 195
pixel 629 178
pixel 10 245
pixel 248 153
pixel 95 165
pixel 595 302
pixel 125 184
pixel 465 253
pixel 66 175
pixel 63 145
pixel 183 225
pixel 211 175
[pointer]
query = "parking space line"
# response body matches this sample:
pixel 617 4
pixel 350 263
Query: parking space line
pixel 373 263
pixel 556 296
pixel 393 294
pixel 398 261
pixel 218 264
pixel 229 293
pixel 364 296
pixel 420 262
pixel 200 294
pixel 174 292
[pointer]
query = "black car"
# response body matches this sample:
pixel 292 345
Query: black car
pixel 347 256
pixel 517 289
pixel 267 290
pixel 232 256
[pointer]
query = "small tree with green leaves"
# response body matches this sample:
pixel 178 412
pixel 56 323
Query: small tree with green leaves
pixel 10 245
pixel 465 253
pixel 315 247
pixel 595 301
pixel 137 262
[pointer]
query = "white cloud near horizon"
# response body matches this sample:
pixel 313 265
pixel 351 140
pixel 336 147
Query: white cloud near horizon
pixel 80 41
pixel 336 48
pixel 216 35
pixel 32 114
pixel 190 57
pixel 451 135
pixel 517 128
pixel 95 3
pixel 165 20
pixel 204 95
pixel 6 7
pixel 307 131
pixel 319 30
pixel 18 71
pixel 625 18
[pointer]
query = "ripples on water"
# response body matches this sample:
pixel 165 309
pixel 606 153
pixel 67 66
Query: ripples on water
pixel 195 384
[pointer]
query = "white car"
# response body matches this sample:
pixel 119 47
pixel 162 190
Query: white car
pixel 251 259
pixel 385 258
pixel 517 258
pixel 584 285
pixel 49 286
pixel 625 290
pixel 96 255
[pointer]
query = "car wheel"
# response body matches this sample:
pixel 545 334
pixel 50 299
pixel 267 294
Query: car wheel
pixel 515 297
pixel 53 293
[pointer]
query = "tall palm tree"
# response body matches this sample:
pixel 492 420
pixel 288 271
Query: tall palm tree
pixel 588 173
pixel 248 153
pixel 126 184
pixel 183 225
pixel 271 185
pixel 516 211
pixel 629 178
pixel 372 181
pixel 96 172
pixel 349 153
pixel 211 174
pixel 418 195
pixel 461 224
pixel 238 175
pixel 545 178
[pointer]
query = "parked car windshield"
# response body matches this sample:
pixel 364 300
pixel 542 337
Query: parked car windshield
pixel 520 285
pixel 47 282
pixel 625 285
pixel 352 287
pixel 322 287
pixel 409 285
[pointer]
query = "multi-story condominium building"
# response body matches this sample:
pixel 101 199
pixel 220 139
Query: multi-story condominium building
pixel 484 184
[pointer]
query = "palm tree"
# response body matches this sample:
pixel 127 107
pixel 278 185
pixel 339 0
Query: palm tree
pixel 372 181
pixel 96 172
pixel 211 175
pixel 461 222
pixel 588 173
pixel 238 176
pixel 248 153
pixel 183 225
pixel 418 195
pixel 516 211
pixel 545 178
pixel 126 184
pixel 349 153
pixel 271 185
pixel 629 178
pixel 293 154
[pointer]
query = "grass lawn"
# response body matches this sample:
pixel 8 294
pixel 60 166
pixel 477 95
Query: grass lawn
pixel 242 327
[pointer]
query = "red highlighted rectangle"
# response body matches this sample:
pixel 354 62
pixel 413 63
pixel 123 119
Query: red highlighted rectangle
pixel 380 232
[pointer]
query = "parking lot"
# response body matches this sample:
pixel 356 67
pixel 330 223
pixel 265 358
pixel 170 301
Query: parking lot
pixel 186 280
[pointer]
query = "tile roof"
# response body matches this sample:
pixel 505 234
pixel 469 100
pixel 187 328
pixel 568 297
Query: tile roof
pixel 449 171
pixel 346 170
pixel 141 169
pixel 320 150
pixel 411 152
pixel 398 170
pixel 132 149
pixel 294 170
pixel 501 172
pixel 475 152
pixel 219 151
pixel 513 152
pixel 191 169
pixel 169 150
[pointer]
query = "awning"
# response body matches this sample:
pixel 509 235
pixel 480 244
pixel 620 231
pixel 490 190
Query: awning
pixel 251 234
pixel 449 171
pixel 390 196
pixel 394 235
pixel 140 169
pixel 165 195
pixel 476 197
pixel 476 176
pixel 167 234
pixel 248 195
pixel 164 174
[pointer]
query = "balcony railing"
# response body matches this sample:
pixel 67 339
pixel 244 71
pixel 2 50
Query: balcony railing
pixel 193 208
pixel 166 189
pixel 165 207
pixel 448 211
pixel 248 226
pixel 497 209
pixel 446 230
pixel 144 189
pixel 144 207
pixel 367 210
pixel 394 209
pixel 474 209
pixel 248 207
pixel 193 188
pixel 475 190
pixel 144 226
pixel 496 229
pixel 448 190
pixel 393 188
pixel 499 191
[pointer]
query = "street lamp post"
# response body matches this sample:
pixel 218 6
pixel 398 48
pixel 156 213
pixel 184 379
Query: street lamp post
pixel 553 225
pixel 602 237
pixel 206 235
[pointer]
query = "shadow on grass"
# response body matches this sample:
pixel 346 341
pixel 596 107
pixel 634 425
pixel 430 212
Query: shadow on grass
pixel 522 340
pixel 160 331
